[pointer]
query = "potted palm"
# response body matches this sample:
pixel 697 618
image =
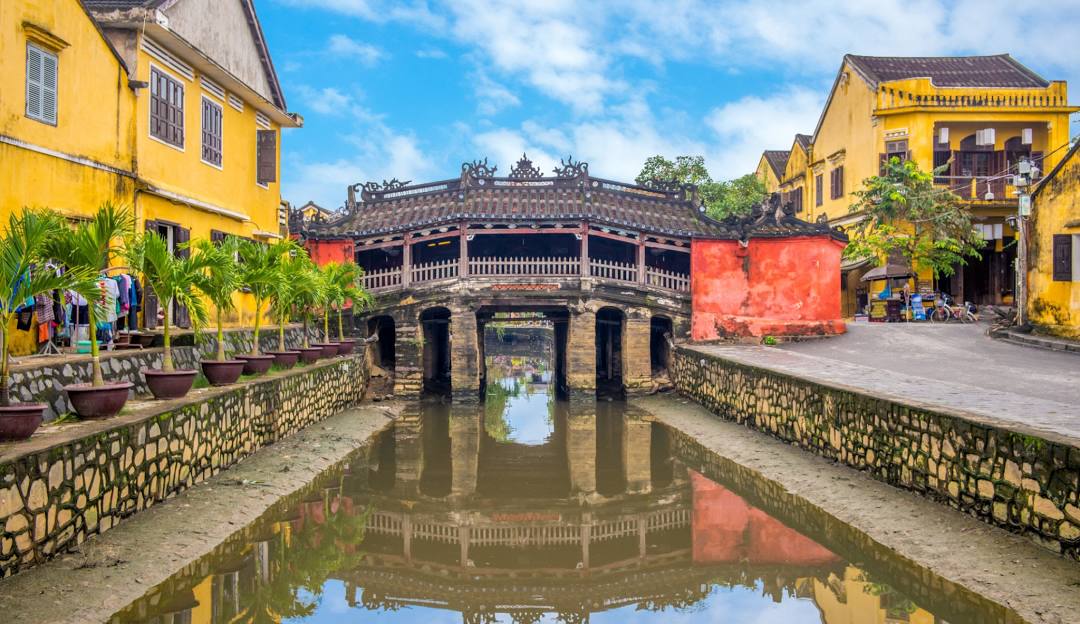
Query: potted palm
pixel 175 279
pixel 89 248
pixel 328 292
pixel 24 246
pixel 260 271
pixel 221 281
pixel 305 294
pixel 347 288
pixel 281 304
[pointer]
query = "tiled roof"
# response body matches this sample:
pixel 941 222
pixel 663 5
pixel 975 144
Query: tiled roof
pixel 669 210
pixel 998 71
pixel 108 5
pixel 803 140
pixel 777 160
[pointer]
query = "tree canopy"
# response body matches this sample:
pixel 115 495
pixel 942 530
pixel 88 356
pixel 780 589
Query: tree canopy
pixel 722 199
pixel 907 216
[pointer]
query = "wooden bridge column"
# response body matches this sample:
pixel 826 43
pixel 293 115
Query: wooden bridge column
pixel 637 455
pixel 464 354
pixel 581 354
pixel 464 450
pixel 637 360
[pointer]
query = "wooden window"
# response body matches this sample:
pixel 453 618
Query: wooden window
pixel 1063 258
pixel 41 76
pixel 211 132
pixel 166 108
pixel 836 183
pixel 266 157
pixel 896 149
pixel 819 189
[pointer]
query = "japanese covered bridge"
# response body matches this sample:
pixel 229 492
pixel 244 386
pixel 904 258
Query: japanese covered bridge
pixel 614 267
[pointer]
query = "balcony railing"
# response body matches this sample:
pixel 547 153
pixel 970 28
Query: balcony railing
pixel 386 280
pixel 977 187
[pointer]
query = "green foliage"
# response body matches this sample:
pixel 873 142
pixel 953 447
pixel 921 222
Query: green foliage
pixel 722 199
pixel 906 216
pixel 769 340
pixel 221 270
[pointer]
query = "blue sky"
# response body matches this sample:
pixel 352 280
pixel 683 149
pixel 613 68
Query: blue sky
pixel 412 89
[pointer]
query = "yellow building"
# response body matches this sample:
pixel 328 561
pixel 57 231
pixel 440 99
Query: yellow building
pixel 314 212
pixel 981 114
pixel 169 107
pixel 794 183
pixel 1053 302
pixel 770 169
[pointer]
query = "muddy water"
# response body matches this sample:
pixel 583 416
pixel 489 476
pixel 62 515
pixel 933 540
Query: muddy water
pixel 527 508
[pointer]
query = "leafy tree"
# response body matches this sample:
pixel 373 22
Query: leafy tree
pixel 907 216
pixel 343 284
pixel 722 199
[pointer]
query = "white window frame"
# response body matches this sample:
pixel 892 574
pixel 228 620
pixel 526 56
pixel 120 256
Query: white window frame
pixel 221 111
pixel 150 108
pixel 44 52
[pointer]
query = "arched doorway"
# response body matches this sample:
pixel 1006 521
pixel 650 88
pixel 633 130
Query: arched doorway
pixel 435 333
pixel 609 349
pixel 382 354
pixel 660 328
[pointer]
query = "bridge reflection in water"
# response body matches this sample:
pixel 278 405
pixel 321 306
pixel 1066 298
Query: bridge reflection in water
pixel 528 508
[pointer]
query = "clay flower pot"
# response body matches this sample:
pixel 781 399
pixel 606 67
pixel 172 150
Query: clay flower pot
pixel 345 347
pixel 18 422
pixel 329 349
pixel 310 354
pixel 256 364
pixel 222 373
pixel 143 339
pixel 169 384
pixel 91 401
pixel 285 359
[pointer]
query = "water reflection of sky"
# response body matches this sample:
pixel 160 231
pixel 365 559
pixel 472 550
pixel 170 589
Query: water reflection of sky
pixel 529 415
pixel 736 605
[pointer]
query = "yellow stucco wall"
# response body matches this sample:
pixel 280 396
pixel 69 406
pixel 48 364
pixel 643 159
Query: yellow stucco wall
pixel 764 172
pixel 1055 305
pixel 861 605
pixel 796 173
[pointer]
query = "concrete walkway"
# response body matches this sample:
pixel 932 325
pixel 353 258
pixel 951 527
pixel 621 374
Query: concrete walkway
pixel 954 367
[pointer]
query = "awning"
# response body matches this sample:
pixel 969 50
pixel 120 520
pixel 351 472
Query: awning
pixel 888 271
pixel 854 263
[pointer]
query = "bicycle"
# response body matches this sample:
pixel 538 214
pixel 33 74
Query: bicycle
pixel 944 311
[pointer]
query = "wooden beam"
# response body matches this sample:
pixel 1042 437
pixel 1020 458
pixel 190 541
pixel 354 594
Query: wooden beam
pixel 526 230
pixel 684 249
pixel 383 245
pixel 618 237
pixel 584 231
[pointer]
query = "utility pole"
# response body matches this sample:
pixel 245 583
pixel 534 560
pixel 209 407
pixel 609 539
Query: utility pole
pixel 1026 172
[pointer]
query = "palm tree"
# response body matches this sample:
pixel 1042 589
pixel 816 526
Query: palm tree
pixel 345 278
pixel 293 273
pixel 173 278
pixel 260 270
pixel 24 251
pixel 330 292
pixel 306 291
pixel 90 249
pixel 222 280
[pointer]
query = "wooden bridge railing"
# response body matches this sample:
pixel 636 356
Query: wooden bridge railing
pixel 430 271
pixel 382 280
pixel 548 267
pixel 668 280
pixel 619 271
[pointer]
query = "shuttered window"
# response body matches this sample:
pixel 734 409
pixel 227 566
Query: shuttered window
pixel 166 108
pixel 896 149
pixel 941 158
pixel 41 70
pixel 266 157
pixel 819 189
pixel 211 132
pixel 836 183
pixel 1063 258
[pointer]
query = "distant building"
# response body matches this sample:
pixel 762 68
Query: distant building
pixel 312 212
pixel 1054 260
pixel 770 169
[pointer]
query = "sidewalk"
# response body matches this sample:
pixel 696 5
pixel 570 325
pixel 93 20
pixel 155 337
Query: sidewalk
pixel 1041 342
pixel 950 367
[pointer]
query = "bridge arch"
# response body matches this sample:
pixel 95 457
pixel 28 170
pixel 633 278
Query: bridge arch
pixel 435 352
pixel 661 328
pixel 383 351
pixel 610 335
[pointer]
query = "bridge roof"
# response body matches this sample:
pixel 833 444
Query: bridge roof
pixel 526 195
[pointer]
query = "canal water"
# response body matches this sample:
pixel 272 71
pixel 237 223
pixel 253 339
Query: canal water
pixel 529 508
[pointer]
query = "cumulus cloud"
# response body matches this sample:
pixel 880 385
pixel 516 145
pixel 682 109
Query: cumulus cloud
pixel 346 47
pixel 325 101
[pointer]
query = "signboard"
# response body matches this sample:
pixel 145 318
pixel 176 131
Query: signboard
pixel 525 287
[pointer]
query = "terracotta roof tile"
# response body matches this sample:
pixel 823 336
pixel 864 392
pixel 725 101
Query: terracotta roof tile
pixel 998 71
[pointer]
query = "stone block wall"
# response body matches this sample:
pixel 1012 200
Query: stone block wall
pixel 42 380
pixel 57 490
pixel 1021 481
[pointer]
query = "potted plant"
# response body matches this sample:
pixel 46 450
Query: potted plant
pixel 281 304
pixel 345 278
pixel 220 283
pixel 23 247
pixel 174 279
pixel 328 292
pixel 260 271
pixel 90 248
pixel 305 294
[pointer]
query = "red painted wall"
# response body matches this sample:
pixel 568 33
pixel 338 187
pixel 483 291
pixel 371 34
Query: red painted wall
pixel 323 251
pixel 771 287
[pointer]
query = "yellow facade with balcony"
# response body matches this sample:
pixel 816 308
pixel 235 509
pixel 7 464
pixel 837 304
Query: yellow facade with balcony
pixel 1053 293
pixel 979 115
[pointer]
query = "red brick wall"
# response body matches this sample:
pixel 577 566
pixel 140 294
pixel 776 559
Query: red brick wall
pixel 771 287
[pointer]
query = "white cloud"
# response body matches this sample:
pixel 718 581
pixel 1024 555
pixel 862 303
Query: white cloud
pixel 346 47
pixel 741 135
pixel 325 101
pixel 431 53
pixel 492 96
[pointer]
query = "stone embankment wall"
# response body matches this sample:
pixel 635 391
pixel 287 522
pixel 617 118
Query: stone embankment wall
pixel 58 489
pixel 1022 482
pixel 42 380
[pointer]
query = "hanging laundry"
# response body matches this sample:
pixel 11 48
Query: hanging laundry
pixel 43 305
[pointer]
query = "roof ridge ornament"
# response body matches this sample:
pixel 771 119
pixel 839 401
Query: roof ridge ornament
pixel 672 185
pixel 569 168
pixel 387 185
pixel 478 170
pixel 525 170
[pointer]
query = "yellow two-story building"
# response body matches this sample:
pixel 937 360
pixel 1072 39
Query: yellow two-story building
pixel 770 169
pixel 1053 292
pixel 169 107
pixel 978 114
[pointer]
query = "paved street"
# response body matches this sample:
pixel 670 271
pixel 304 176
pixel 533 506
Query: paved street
pixel 954 366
